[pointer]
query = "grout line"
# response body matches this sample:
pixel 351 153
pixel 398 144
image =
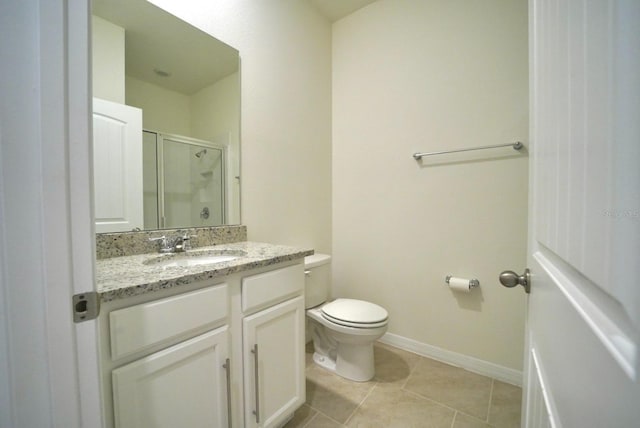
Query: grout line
pixel 417 394
pixel 360 404
pixel 411 373
pixel 459 412
pixel 486 420
pixel 490 400
pixel 453 422
pixel 318 412
pixel 420 395
pixel 312 418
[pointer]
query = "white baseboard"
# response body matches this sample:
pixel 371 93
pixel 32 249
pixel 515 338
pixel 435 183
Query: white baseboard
pixel 466 362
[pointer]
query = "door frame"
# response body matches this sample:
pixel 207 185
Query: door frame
pixel 48 364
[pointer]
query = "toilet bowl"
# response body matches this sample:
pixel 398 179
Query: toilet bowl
pixel 343 330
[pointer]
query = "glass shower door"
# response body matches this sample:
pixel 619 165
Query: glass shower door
pixel 184 182
pixel 193 181
pixel 150 180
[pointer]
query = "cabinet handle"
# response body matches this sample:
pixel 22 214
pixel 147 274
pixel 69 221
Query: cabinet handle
pixel 227 367
pixel 256 412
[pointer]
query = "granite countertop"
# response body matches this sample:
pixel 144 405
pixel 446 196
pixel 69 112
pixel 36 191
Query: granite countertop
pixel 121 277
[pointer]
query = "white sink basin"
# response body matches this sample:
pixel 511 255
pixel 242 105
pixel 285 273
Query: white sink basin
pixel 195 258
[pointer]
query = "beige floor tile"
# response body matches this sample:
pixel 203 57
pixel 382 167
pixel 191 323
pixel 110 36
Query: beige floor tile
pixel 452 386
pixel 410 358
pixel 466 421
pixel 301 417
pixel 506 402
pixel 396 408
pixel 393 365
pixel 332 395
pixel 322 421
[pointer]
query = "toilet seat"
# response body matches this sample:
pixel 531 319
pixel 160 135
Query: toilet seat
pixel 355 313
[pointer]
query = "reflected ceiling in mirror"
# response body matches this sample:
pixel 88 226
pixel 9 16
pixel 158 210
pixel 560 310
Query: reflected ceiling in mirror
pixel 186 84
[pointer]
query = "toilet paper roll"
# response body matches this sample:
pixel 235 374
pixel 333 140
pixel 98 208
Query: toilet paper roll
pixel 461 285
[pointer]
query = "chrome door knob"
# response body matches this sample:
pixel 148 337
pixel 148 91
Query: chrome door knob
pixel 509 279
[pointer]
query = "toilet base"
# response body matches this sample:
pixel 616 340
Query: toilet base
pixel 324 362
pixel 353 362
pixel 345 351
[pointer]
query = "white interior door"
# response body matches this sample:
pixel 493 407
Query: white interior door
pixel 583 323
pixel 117 166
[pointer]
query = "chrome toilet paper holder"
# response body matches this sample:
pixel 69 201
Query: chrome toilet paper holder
pixel 473 283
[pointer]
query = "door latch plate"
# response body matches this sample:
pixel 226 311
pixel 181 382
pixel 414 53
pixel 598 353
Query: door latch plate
pixel 86 306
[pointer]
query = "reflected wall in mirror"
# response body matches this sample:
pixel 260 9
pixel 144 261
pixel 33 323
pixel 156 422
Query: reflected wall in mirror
pixel 186 85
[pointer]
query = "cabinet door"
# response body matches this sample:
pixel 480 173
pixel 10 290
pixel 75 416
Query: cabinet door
pixel 182 386
pixel 273 343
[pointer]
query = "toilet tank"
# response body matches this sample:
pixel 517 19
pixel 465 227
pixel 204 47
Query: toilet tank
pixel 317 279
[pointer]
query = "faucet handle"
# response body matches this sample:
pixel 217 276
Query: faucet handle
pixel 164 243
pixel 186 241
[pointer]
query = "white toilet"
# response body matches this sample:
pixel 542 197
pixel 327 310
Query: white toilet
pixel 343 331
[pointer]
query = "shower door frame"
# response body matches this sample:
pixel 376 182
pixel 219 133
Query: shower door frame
pixel 181 139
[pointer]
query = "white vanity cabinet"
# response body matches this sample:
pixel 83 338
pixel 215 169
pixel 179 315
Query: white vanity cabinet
pixel 218 354
pixel 273 346
pixel 185 384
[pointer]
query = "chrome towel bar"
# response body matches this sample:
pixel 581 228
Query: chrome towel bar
pixel 516 146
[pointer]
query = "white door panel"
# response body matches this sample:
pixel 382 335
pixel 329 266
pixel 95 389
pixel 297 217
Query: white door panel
pixel 583 335
pixel 585 385
pixel 117 166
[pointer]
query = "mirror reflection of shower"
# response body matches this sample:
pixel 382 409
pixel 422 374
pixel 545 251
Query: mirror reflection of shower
pixel 183 178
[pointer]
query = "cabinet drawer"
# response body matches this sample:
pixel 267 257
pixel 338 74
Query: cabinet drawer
pixel 269 288
pixel 144 326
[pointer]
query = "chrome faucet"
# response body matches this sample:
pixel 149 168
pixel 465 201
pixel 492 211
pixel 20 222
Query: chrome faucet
pixel 181 243
pixel 163 242
pixel 175 245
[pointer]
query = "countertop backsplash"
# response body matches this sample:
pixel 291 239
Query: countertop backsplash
pixel 119 244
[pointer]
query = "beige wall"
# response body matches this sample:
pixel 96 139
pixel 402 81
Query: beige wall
pixel 215 110
pixel 285 50
pixel 414 75
pixel 203 115
pixel 407 76
pixel 162 110
pixel 108 60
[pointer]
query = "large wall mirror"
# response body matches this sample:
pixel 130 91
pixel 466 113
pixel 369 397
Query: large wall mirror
pixel 166 121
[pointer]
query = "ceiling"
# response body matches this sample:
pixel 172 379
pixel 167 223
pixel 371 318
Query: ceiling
pixel 157 40
pixel 194 59
pixel 338 9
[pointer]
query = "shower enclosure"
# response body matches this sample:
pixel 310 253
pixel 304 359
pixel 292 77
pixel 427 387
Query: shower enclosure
pixel 184 181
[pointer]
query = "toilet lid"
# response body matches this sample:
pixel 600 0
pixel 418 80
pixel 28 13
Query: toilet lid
pixel 355 312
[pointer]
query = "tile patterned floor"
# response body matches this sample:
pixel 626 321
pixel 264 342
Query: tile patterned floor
pixel 407 391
